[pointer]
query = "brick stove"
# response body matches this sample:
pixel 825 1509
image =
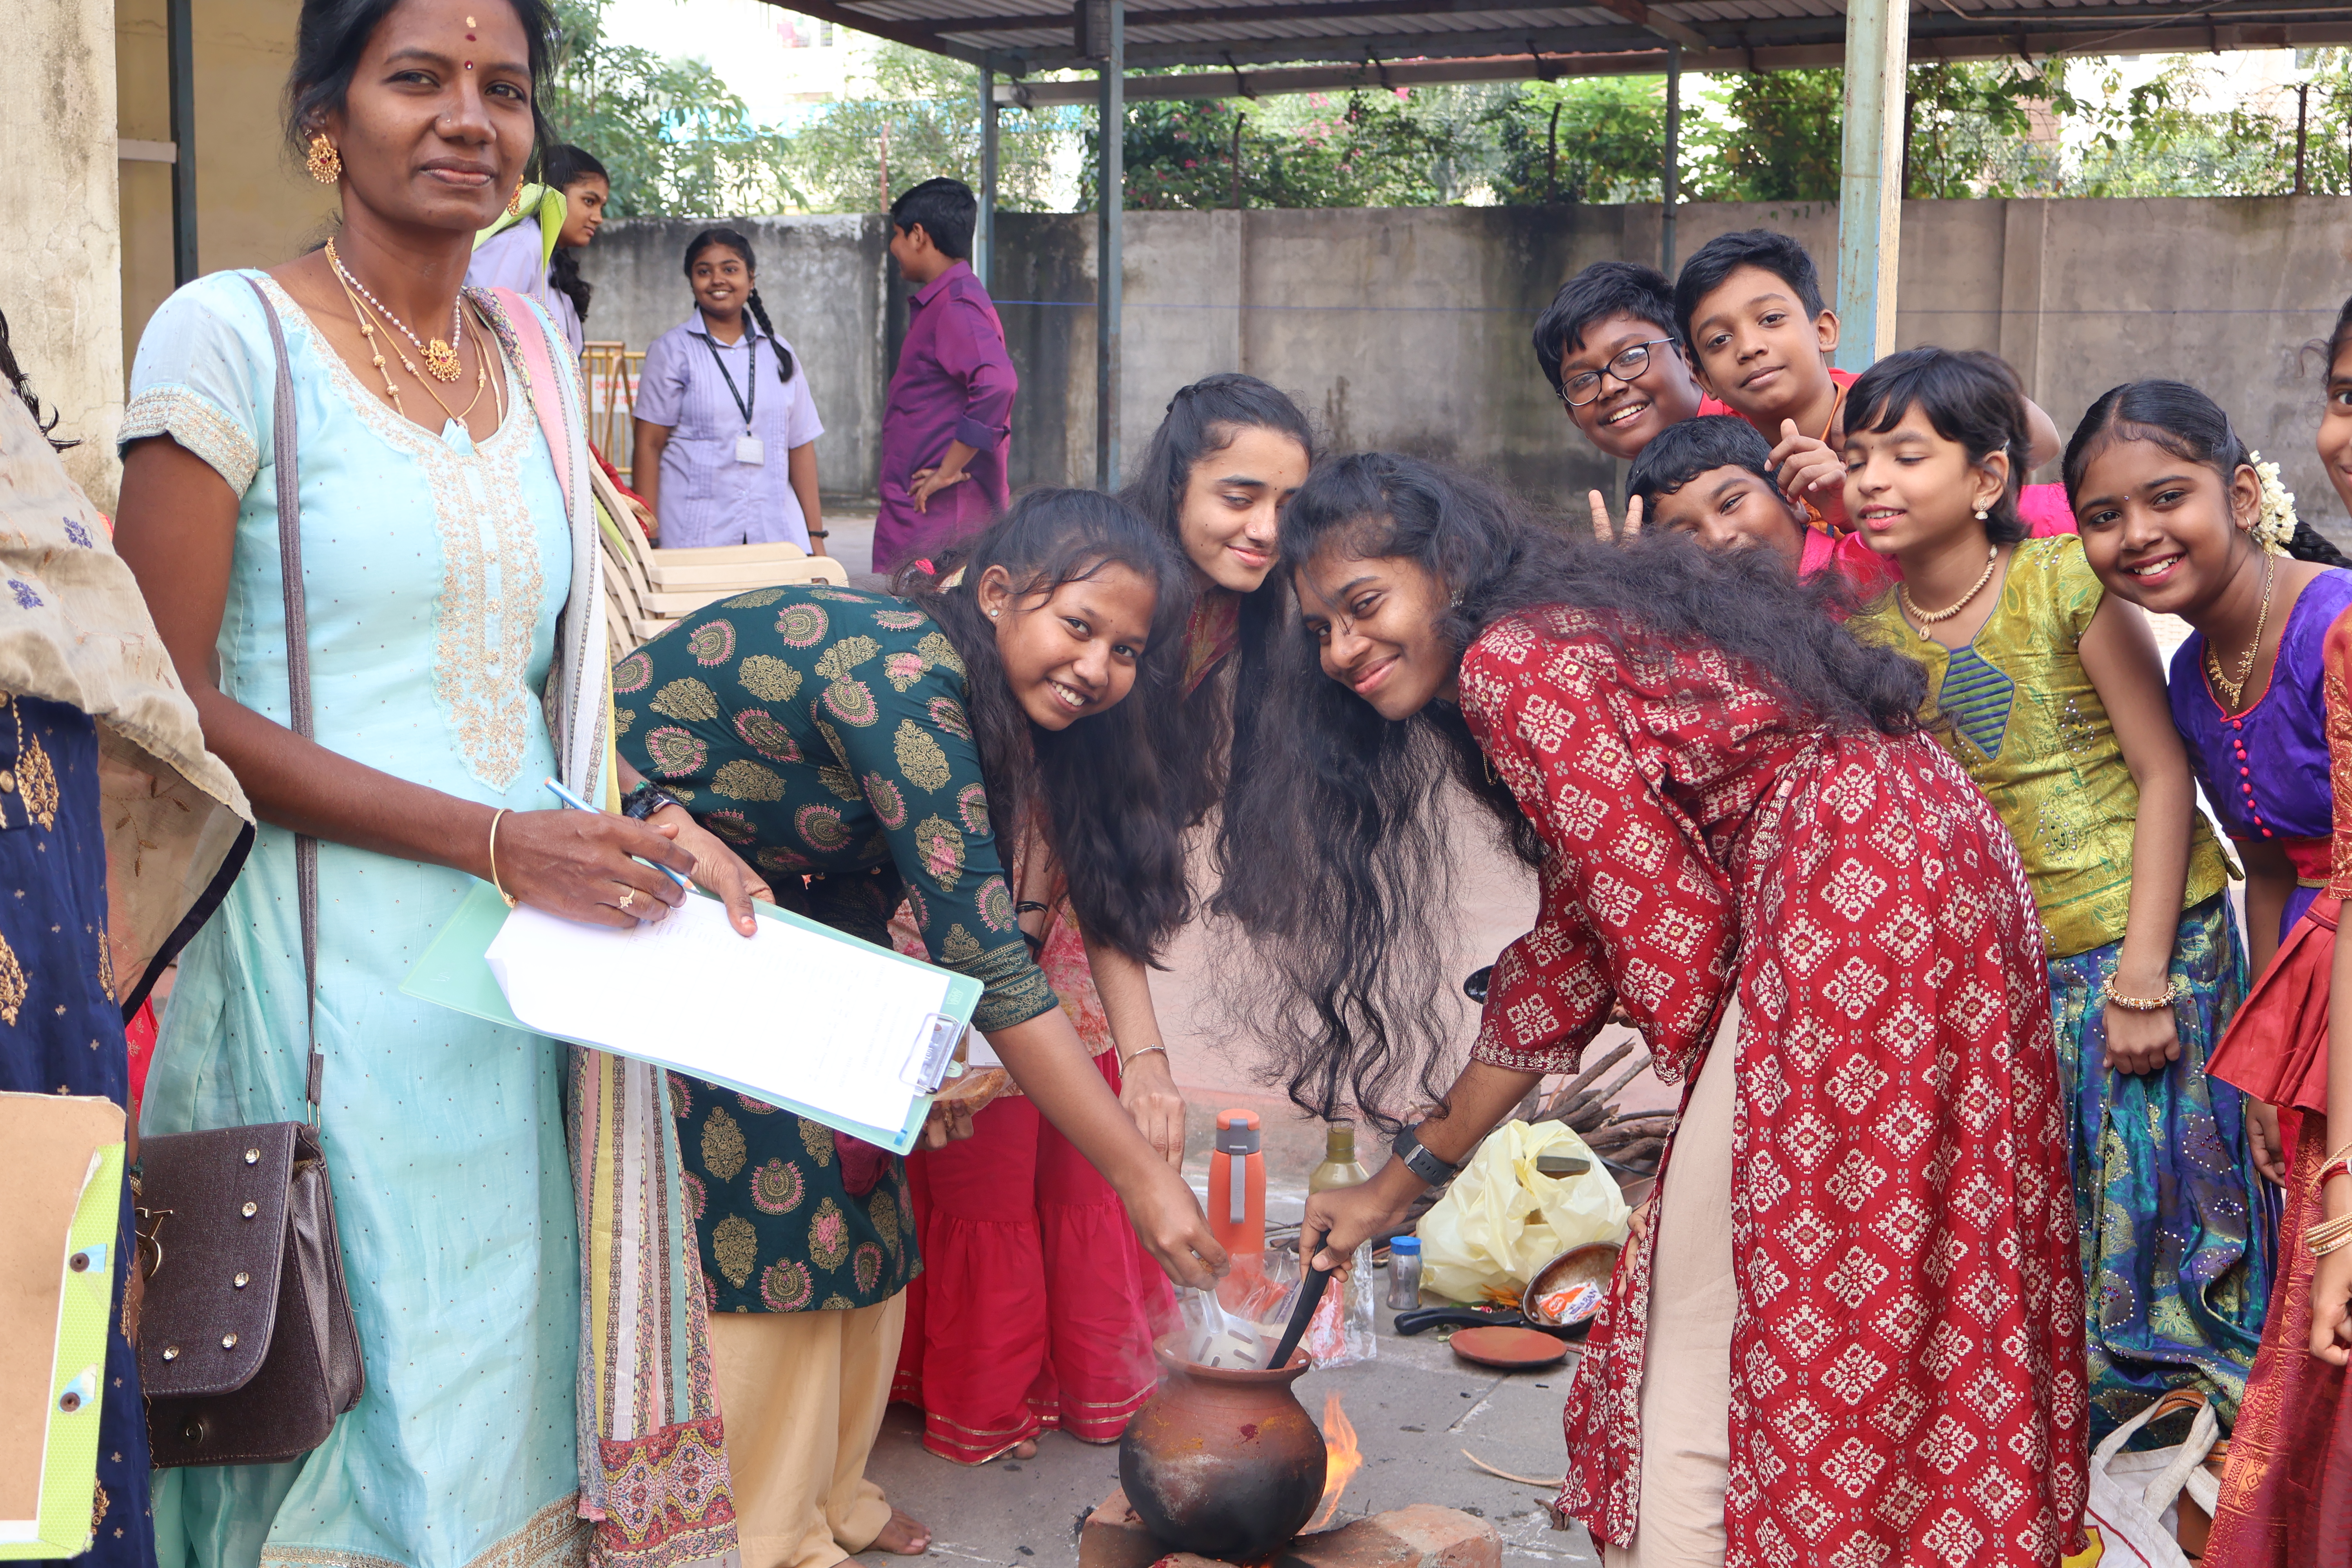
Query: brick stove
pixel 1420 1536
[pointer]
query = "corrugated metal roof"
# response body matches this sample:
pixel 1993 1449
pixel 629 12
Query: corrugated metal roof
pixel 1021 35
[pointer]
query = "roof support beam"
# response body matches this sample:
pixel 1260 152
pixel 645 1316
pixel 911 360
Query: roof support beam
pixel 180 54
pixel 1870 181
pixel 1110 226
pixel 1670 182
pixel 984 248
pixel 1632 62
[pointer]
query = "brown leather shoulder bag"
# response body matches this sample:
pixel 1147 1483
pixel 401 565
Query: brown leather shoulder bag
pixel 248 1350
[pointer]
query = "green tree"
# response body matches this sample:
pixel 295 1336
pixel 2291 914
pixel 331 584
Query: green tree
pixel 2153 140
pixel 675 140
pixel 1595 139
pixel 1776 141
pixel 919 115
pixel 1373 147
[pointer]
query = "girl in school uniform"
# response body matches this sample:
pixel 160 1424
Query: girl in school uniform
pixel 726 425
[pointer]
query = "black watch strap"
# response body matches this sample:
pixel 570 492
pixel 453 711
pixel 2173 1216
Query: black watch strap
pixel 1420 1161
pixel 645 799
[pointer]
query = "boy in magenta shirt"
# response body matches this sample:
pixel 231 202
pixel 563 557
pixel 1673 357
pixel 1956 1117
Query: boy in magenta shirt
pixel 948 424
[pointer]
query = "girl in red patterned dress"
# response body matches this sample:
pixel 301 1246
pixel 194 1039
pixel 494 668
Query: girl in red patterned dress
pixel 1849 1330
pixel 1053 1303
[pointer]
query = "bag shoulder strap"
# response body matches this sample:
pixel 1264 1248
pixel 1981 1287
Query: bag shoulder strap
pixel 546 391
pixel 283 447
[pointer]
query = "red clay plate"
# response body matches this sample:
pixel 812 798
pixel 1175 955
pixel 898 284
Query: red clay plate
pixel 1508 1348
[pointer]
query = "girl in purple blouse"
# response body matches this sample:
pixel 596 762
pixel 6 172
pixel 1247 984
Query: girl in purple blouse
pixel 2180 516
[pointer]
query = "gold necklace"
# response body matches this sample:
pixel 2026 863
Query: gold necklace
pixel 375 352
pixel 1926 618
pixel 440 360
pixel 368 324
pixel 2235 690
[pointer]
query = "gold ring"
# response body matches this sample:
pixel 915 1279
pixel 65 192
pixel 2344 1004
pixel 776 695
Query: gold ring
pixel 628 897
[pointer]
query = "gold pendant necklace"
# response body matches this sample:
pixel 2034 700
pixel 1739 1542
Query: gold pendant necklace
pixel 1927 618
pixel 2234 691
pixel 440 360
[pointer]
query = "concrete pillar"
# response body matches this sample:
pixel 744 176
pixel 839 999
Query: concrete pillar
pixel 984 240
pixel 61 224
pixel 1870 182
pixel 1672 181
pixel 1111 186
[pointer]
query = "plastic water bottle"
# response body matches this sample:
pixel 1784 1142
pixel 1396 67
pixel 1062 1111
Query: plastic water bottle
pixel 1404 1273
pixel 1237 1185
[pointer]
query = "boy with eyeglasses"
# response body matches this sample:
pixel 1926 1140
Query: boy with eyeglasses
pixel 1608 346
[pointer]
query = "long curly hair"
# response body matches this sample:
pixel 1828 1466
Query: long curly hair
pixel 1336 843
pixel 1094 788
pixel 1191 730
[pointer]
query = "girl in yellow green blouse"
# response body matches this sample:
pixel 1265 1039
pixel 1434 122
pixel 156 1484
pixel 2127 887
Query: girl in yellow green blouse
pixel 2052 698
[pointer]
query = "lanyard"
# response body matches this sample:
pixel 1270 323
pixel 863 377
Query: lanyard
pixel 752 374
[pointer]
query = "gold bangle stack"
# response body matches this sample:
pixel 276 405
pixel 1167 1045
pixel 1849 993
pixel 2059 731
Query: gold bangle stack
pixel 509 898
pixel 2330 1234
pixel 2145 1003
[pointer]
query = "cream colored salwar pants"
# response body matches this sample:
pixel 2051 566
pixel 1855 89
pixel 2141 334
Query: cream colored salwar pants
pixel 1686 1366
pixel 803 1395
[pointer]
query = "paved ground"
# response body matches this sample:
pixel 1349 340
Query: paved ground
pixel 1415 1408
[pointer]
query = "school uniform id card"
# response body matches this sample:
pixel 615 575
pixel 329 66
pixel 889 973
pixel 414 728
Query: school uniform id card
pixel 750 449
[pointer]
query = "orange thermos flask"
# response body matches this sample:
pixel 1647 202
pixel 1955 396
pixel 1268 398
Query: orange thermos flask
pixel 1237 1185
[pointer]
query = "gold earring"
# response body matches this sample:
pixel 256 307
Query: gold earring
pixel 514 203
pixel 325 165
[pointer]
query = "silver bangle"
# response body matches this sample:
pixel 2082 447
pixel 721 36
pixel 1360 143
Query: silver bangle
pixel 1128 1060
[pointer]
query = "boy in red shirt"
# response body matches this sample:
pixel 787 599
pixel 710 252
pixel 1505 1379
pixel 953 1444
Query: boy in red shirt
pixel 1750 307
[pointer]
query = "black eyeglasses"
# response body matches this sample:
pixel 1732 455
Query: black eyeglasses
pixel 1582 388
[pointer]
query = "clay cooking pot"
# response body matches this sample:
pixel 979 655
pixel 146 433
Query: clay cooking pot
pixel 1223 1463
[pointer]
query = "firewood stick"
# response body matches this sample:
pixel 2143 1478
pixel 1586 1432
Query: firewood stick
pixel 1523 1480
pixel 1584 1079
pixel 1628 1075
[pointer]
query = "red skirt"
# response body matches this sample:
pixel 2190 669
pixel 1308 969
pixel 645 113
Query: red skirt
pixel 1036 1305
pixel 2286 1491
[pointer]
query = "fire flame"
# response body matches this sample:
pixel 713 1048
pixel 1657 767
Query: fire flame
pixel 1345 1459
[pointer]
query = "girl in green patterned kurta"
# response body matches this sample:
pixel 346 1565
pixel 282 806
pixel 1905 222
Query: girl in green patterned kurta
pixel 2053 699
pixel 860 748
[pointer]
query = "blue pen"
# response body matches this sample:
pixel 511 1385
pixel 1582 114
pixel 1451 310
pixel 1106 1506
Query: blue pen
pixel 576 804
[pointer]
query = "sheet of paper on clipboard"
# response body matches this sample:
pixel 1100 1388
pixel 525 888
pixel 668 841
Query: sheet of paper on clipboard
pixel 800 1016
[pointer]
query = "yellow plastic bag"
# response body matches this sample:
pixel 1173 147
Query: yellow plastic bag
pixel 1503 1219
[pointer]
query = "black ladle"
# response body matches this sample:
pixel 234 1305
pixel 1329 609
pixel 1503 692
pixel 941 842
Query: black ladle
pixel 1310 1295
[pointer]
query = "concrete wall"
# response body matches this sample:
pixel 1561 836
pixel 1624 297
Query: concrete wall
pixel 1408 328
pixel 60 251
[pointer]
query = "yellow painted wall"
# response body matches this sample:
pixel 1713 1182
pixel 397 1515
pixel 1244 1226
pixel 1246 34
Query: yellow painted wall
pixel 253 205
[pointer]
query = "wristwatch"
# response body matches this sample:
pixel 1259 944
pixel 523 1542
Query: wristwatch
pixel 645 799
pixel 1420 1161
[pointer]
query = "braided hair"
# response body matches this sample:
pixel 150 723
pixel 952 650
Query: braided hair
pixel 566 165
pixel 742 247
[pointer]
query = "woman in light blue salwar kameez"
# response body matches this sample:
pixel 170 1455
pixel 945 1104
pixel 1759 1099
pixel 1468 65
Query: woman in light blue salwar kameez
pixel 435 569
pixel 537 1379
